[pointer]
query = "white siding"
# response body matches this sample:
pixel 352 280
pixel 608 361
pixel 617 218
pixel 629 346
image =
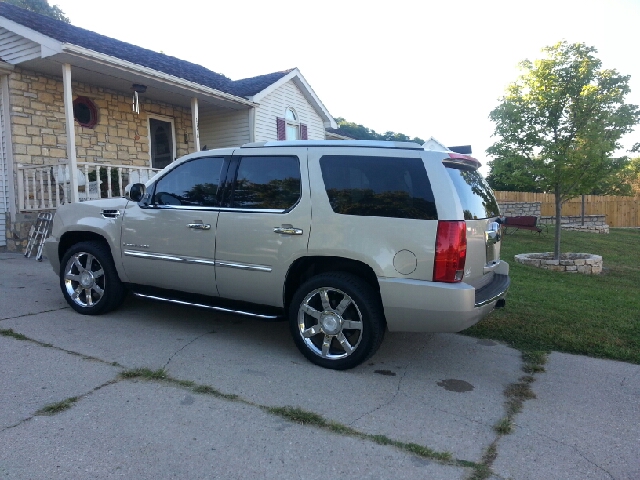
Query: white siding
pixel 4 174
pixel 229 128
pixel 274 105
pixel 15 49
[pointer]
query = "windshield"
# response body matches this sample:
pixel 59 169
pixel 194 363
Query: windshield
pixel 475 194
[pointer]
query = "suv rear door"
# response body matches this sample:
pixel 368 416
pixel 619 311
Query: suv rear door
pixel 264 223
pixel 480 211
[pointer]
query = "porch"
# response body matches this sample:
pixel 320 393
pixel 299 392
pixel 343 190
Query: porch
pixel 45 187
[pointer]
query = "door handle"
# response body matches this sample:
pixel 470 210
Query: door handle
pixel 288 230
pixel 200 226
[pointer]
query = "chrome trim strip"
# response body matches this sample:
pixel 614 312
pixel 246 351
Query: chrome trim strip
pixel 183 207
pixel 170 258
pixel 252 210
pixel 210 307
pixel 244 266
pixel 219 209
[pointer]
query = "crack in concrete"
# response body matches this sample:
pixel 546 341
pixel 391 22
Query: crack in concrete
pixel 395 395
pixel 185 346
pixel 70 352
pixel 571 447
pixel 34 313
pixel 78 398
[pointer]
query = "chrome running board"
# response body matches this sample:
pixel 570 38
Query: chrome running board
pixel 210 307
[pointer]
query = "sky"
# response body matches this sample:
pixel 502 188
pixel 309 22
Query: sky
pixel 421 68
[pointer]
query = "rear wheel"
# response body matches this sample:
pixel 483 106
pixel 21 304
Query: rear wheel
pixel 89 280
pixel 336 320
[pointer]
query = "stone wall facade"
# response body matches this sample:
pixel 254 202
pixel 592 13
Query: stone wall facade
pixel 592 223
pixel 17 233
pixel 589 220
pixel 120 136
pixel 519 209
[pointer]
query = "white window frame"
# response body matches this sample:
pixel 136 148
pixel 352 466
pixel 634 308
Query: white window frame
pixel 291 123
pixel 162 118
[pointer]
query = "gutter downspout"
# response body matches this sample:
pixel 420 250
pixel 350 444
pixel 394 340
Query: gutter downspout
pixel 71 132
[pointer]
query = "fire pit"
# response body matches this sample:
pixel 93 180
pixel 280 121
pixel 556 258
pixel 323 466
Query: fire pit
pixel 569 262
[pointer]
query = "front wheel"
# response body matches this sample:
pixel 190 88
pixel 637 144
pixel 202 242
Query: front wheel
pixel 336 320
pixel 89 280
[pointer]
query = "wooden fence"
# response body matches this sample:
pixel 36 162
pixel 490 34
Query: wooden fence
pixel 619 211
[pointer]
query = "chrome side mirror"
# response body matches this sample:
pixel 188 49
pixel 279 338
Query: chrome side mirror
pixel 135 192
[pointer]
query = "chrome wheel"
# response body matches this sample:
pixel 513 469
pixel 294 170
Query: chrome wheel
pixel 84 279
pixel 330 323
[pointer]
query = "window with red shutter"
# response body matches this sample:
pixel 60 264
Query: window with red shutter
pixel 303 132
pixel 280 128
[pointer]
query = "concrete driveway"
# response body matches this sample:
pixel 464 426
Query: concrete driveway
pixel 235 399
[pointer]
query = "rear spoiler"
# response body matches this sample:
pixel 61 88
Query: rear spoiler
pixel 463 160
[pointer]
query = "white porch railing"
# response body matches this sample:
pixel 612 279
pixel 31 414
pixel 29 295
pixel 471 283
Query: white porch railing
pixel 45 187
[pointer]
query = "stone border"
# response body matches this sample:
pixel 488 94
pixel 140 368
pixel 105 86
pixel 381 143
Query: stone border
pixel 577 227
pixel 585 263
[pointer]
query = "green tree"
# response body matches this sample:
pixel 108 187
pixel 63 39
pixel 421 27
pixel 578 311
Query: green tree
pixel 559 123
pixel 42 7
pixel 360 132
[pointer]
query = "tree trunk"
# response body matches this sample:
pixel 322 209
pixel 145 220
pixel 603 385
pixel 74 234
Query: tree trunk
pixel 556 251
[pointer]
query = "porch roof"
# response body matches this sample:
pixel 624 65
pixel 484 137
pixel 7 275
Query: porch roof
pixel 59 38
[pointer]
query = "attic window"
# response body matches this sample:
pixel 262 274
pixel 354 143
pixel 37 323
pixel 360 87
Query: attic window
pixel 292 131
pixel 85 112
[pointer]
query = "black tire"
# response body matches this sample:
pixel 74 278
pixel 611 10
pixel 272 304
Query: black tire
pixel 324 308
pixel 91 263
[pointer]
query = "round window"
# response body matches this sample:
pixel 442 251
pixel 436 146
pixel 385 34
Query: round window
pixel 85 112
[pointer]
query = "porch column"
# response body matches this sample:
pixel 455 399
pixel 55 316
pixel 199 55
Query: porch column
pixel 71 132
pixel 194 123
pixel 252 125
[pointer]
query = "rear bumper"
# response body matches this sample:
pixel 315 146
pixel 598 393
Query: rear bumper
pixel 420 306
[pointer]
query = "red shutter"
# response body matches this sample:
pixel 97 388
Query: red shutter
pixel 303 132
pixel 280 128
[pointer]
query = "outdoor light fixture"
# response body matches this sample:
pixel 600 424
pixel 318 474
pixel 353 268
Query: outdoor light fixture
pixel 137 88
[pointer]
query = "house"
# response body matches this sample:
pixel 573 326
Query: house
pixel 82 115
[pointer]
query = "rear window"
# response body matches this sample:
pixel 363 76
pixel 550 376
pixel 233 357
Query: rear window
pixel 378 186
pixel 475 194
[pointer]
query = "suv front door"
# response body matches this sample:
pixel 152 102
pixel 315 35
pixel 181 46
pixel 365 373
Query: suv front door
pixel 264 223
pixel 170 242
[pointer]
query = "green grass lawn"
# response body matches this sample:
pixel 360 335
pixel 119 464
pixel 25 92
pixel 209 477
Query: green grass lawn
pixel 595 315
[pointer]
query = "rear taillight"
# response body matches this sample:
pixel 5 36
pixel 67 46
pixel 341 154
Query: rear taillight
pixel 451 251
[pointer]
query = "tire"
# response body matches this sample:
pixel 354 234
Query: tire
pixel 336 320
pixel 91 263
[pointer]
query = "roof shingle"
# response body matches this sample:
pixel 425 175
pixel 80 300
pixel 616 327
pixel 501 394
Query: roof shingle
pixel 66 33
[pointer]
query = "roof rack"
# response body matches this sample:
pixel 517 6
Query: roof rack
pixel 335 143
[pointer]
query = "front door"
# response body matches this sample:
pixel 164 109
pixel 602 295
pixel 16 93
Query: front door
pixel 170 243
pixel 162 142
pixel 265 225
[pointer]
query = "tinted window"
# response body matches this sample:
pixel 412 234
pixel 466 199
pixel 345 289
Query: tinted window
pixel 475 194
pixel 267 183
pixel 378 186
pixel 194 183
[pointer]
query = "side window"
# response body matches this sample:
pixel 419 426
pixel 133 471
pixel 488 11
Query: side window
pixel 378 186
pixel 193 183
pixel 267 183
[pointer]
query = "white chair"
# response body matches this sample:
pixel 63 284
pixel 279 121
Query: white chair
pixel 138 176
pixel 89 191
